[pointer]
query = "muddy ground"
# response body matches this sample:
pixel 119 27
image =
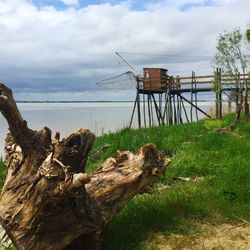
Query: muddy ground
pixel 211 237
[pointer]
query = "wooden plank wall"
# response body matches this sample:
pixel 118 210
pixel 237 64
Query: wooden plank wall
pixel 155 78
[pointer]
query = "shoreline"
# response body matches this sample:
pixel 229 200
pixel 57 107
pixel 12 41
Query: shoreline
pixel 199 101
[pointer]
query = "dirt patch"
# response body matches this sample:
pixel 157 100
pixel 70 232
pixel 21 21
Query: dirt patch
pixel 212 237
pixel 227 131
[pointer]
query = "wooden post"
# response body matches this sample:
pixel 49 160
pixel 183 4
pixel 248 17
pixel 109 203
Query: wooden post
pixel 183 106
pixel 170 108
pixel 133 112
pixel 158 112
pixel 144 108
pixel 191 108
pixel 174 109
pixel 180 109
pixel 203 112
pixel 160 102
pixel 216 105
pixel 195 96
pixel 165 113
pixel 218 99
pixel 220 104
pixel 138 105
pixel 151 109
pixel 149 112
pixel 220 94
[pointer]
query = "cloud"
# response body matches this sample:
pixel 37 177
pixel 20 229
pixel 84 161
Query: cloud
pixel 70 2
pixel 46 49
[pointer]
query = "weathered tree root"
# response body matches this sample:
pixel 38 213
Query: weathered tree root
pixel 48 201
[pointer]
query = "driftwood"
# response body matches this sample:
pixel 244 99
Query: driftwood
pixel 48 201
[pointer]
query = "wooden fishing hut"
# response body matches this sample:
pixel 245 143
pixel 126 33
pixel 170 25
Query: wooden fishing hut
pixel 155 79
pixel 159 99
pixel 152 88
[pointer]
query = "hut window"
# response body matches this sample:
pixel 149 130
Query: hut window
pixel 146 75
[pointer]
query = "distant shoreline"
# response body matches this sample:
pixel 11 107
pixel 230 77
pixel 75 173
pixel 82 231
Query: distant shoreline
pixel 72 101
pixel 90 101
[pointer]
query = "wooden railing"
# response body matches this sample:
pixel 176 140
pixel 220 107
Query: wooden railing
pixel 157 83
pixel 211 79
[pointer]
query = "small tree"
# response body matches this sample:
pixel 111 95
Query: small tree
pixel 232 61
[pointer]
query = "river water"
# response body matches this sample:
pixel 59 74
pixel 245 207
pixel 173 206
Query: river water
pixel 99 117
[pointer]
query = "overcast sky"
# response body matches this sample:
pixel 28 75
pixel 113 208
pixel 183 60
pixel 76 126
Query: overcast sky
pixel 58 49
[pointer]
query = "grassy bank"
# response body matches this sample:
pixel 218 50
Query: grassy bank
pixel 218 190
pixel 217 164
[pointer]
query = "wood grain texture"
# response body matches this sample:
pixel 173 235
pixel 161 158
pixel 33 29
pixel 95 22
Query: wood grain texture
pixel 48 201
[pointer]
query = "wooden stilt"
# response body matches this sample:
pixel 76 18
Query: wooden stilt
pixel 220 95
pixel 196 104
pixel 216 105
pixel 174 109
pixel 184 109
pixel 149 113
pixel 165 112
pixel 151 109
pixel 158 112
pixel 179 107
pixel 144 109
pixel 192 88
pixel 133 112
pixel 203 112
pixel 160 103
pixel 220 104
pixel 195 94
pixel 170 110
pixel 139 110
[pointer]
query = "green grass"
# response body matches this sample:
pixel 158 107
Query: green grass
pixel 220 160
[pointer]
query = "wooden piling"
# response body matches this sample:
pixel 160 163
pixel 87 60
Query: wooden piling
pixel 149 112
pixel 139 110
pixel 184 109
pixel 144 109
pixel 133 112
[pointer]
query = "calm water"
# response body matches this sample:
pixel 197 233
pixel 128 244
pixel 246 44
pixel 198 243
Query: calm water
pixel 68 117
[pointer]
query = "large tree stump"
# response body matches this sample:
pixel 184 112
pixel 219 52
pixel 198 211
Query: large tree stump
pixel 48 201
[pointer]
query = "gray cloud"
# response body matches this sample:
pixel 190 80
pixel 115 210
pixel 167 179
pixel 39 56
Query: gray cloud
pixel 49 50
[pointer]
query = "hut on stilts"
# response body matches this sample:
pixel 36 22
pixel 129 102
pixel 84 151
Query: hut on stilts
pixel 162 99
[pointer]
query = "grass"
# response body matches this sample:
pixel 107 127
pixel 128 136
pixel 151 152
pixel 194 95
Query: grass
pixel 220 160
pixel 217 162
